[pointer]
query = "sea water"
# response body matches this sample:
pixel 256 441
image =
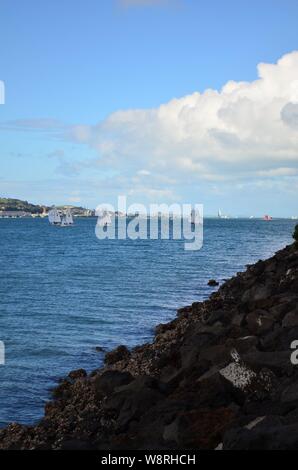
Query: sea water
pixel 63 292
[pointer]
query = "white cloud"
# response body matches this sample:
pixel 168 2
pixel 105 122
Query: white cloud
pixel 143 173
pixel 245 129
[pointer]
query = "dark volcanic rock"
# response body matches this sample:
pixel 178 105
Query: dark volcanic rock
pixel 259 322
pixel 77 374
pixel 119 354
pixel 110 380
pixel 213 283
pixel 218 373
pixel 290 394
pixel 134 399
pixel 277 361
pixel 198 429
pixel 291 319
pixel 266 436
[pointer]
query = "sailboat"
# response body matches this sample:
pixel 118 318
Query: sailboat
pixel 221 216
pixel 67 219
pixel 54 216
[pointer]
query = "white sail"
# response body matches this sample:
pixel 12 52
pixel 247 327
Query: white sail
pixel 68 218
pixel 54 217
pixel 220 215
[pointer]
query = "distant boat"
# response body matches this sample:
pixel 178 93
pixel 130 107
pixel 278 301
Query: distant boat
pixel 294 217
pixel 67 219
pixel 221 216
pixel 54 216
pixel 62 219
pixel 267 217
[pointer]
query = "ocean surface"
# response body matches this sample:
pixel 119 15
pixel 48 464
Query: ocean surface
pixel 63 292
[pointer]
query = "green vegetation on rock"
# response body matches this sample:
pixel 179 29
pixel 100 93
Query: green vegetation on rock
pixel 8 204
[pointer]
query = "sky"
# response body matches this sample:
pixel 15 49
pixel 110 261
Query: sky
pixel 164 101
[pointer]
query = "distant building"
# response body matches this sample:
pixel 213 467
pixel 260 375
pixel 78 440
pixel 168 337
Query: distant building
pixel 13 214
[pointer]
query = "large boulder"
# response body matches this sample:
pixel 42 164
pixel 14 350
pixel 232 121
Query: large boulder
pixel 277 361
pixel 110 380
pixel 130 402
pixel 291 319
pixel 121 353
pixel 259 322
pixel 268 435
pixel 198 429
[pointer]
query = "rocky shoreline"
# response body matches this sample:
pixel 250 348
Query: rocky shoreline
pixel 218 376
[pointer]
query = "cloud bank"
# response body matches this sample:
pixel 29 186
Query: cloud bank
pixel 238 144
pixel 244 130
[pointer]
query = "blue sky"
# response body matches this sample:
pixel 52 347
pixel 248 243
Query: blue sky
pixel 90 108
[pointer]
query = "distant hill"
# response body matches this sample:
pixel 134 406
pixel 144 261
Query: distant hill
pixel 8 204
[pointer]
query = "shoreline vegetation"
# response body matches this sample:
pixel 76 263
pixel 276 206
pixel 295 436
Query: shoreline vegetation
pixel 218 376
